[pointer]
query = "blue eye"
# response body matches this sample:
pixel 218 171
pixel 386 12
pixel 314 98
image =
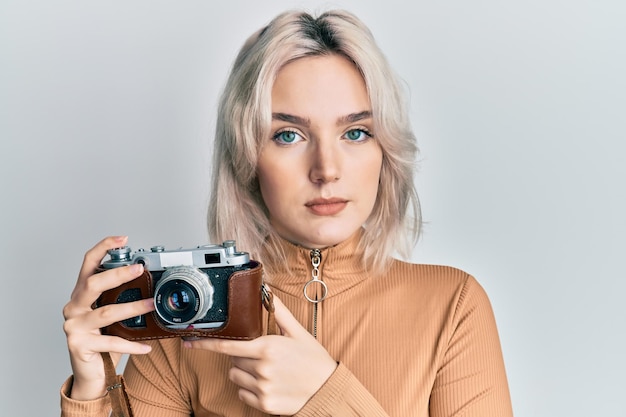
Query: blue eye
pixel 356 135
pixel 286 137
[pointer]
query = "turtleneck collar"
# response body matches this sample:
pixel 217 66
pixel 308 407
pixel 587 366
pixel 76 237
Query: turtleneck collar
pixel 341 266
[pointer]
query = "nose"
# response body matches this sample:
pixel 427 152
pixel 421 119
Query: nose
pixel 325 163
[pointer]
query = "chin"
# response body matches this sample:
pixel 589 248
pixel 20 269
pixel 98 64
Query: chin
pixel 327 237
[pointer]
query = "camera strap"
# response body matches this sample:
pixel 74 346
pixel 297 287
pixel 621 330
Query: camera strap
pixel 268 303
pixel 116 389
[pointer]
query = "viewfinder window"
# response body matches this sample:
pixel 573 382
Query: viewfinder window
pixel 211 258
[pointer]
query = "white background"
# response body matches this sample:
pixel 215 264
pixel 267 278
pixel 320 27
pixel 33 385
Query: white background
pixel 107 113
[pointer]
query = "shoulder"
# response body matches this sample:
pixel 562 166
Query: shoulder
pixel 425 276
pixel 436 283
pixel 427 270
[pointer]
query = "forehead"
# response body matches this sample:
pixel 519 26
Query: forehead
pixel 320 85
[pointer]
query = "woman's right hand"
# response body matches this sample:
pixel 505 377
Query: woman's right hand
pixel 82 323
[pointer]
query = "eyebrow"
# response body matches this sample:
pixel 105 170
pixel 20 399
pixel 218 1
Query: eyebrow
pixel 290 118
pixel 354 117
pixel 305 122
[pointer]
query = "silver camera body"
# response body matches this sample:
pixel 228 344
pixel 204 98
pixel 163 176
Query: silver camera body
pixel 190 285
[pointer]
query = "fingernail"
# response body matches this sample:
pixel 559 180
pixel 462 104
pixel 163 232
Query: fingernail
pixel 187 345
pixel 136 268
pixel 120 238
pixel 149 302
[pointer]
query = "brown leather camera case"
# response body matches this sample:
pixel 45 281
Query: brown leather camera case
pixel 245 313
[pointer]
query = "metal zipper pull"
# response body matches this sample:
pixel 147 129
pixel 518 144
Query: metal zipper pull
pixel 316 260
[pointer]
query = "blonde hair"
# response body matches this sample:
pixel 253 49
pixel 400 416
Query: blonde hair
pixel 236 208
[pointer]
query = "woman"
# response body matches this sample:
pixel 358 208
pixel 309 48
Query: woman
pixel 313 175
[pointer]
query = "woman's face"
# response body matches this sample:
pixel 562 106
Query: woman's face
pixel 319 169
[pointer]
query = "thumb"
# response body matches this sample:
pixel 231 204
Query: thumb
pixel 287 323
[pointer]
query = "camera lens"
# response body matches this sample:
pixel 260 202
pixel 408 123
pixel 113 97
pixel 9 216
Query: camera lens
pixel 178 300
pixel 183 295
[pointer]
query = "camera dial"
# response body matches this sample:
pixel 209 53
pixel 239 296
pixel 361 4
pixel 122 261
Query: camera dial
pixel 118 257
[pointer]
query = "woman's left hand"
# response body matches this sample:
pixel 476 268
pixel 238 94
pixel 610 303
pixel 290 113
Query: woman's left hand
pixel 276 374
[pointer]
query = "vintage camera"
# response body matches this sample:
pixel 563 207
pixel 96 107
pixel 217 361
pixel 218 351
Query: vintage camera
pixel 211 290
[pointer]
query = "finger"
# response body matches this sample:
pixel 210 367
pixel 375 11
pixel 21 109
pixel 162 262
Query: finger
pixel 243 379
pixel 111 344
pixel 252 349
pixel 251 366
pixel 94 256
pixel 250 398
pixel 87 293
pixel 114 344
pixel 251 388
pixel 93 320
pixel 266 404
pixel 112 313
pixel 288 324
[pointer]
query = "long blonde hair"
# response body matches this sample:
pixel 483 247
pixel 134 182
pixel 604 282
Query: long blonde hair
pixel 236 208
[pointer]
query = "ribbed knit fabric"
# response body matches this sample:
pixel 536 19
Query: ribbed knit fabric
pixel 419 341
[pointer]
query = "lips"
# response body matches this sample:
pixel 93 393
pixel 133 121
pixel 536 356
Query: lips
pixel 326 206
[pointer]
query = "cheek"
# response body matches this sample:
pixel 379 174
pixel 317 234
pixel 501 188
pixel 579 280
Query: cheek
pixel 371 180
pixel 373 169
pixel 272 185
pixel 269 190
pixel 375 185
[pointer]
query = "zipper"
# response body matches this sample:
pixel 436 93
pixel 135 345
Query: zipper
pixel 316 260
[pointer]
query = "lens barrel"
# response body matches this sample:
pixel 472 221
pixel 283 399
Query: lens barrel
pixel 183 295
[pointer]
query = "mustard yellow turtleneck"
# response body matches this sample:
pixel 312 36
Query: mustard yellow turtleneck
pixel 420 340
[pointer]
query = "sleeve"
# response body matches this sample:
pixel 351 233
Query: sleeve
pixel 471 379
pixel 342 395
pixel 152 385
pixel 153 382
pixel 100 407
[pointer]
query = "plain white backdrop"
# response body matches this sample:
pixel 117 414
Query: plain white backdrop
pixel 106 119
